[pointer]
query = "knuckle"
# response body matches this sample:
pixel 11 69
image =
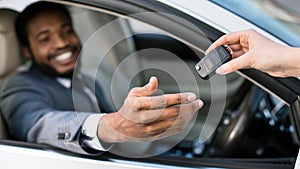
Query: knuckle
pixel 142 119
pixel 178 98
pixel 137 104
pixel 134 90
pixel 148 129
pixel 175 110
pixel 162 101
pixel 225 38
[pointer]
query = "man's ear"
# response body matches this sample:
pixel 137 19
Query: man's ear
pixel 27 53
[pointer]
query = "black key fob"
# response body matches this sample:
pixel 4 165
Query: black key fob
pixel 207 66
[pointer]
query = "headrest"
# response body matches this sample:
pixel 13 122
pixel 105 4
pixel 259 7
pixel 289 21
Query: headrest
pixel 9 47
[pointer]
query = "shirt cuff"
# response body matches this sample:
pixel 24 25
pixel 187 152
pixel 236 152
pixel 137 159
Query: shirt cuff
pixel 89 130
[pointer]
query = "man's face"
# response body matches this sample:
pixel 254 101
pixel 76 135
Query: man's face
pixel 53 43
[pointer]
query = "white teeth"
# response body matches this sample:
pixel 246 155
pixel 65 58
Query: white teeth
pixel 63 56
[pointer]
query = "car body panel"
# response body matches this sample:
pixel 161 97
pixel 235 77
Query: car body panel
pixel 18 157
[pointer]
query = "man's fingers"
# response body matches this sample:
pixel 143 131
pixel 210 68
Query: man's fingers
pixel 168 128
pixel 155 102
pixel 146 90
pixel 160 134
pixel 156 115
pixel 151 124
pixel 181 111
pixel 164 128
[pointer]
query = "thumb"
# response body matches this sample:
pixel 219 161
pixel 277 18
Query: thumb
pixel 148 89
pixel 238 63
pixel 152 85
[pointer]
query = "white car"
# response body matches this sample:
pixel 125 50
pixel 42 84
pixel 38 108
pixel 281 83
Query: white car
pixel 249 119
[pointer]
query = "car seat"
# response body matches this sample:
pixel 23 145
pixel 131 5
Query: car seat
pixel 9 52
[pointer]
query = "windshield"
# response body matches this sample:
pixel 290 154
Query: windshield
pixel 280 18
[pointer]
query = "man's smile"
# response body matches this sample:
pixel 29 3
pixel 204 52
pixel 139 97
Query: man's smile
pixel 63 56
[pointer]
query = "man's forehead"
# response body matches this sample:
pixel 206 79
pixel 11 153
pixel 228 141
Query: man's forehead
pixel 46 19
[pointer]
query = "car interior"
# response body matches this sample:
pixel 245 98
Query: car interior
pixel 129 63
pixel 9 55
pixel 252 124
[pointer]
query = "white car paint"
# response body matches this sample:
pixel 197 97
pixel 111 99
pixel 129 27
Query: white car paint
pixel 18 157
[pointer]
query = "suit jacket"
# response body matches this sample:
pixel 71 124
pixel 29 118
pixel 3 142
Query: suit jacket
pixel 39 109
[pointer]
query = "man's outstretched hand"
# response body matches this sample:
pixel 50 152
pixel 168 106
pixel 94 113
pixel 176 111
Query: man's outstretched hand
pixel 147 118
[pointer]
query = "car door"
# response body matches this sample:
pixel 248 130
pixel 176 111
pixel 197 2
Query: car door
pixel 172 42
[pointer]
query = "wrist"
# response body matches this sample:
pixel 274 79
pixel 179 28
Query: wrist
pixel 106 129
pixel 292 61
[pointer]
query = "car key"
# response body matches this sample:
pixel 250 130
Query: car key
pixel 207 66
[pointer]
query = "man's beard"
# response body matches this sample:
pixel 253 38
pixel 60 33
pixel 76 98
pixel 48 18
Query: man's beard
pixel 50 71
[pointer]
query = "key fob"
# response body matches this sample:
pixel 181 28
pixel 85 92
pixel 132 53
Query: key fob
pixel 207 66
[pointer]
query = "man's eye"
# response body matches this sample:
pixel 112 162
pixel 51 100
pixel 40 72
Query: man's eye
pixel 69 31
pixel 44 40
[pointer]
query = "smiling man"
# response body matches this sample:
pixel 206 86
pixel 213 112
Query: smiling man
pixel 49 39
pixel 38 103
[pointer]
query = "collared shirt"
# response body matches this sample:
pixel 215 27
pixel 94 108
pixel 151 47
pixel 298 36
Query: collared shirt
pixel 66 82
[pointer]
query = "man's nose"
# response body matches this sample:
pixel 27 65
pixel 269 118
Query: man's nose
pixel 60 41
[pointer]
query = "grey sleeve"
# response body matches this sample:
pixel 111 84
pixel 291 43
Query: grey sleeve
pixel 31 117
pixel 59 129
